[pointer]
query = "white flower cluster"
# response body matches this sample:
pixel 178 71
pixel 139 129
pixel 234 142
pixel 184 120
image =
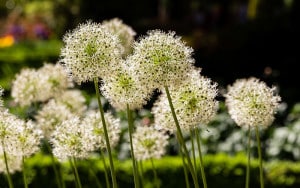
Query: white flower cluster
pixel 194 103
pixel 149 143
pixel 72 139
pixel 93 120
pixel 18 139
pixel 76 137
pixel 251 102
pixel 124 32
pixel 162 58
pixel 90 51
pixel 52 114
pixel 32 85
pixel 123 88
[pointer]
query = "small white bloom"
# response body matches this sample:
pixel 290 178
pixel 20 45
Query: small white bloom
pixel 124 32
pixel 72 139
pixel 194 103
pixel 123 88
pixel 90 51
pixel 149 143
pixel 74 100
pixel 94 122
pixel 162 58
pixel 51 115
pixel 251 102
pixel 14 163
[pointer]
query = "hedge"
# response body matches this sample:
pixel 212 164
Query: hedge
pixel 221 170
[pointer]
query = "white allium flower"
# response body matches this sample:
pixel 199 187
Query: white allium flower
pixel 7 125
pixel 94 122
pixel 51 115
pixel 194 103
pixel 14 163
pixel 29 86
pixel 72 139
pixel 57 78
pixel 251 102
pixel 39 85
pixel 162 58
pixel 26 139
pixel 149 143
pixel 124 32
pixel 90 51
pixel 124 88
pixel 74 100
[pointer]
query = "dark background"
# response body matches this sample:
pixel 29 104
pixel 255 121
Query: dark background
pixel 228 43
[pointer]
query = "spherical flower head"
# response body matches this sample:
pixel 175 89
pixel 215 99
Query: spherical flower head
pixel 14 163
pixel 94 122
pixel 52 114
pixel 29 86
pixel 72 139
pixel 251 102
pixel 124 32
pixel 7 123
pixel 74 100
pixel 90 51
pixel 57 78
pixel 162 58
pixel 194 103
pixel 149 143
pixel 26 139
pixel 123 88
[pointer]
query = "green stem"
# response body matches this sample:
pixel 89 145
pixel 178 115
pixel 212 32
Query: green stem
pixel 180 138
pixel 192 136
pixel 105 169
pixel 141 172
pixel 93 173
pixel 59 177
pixel 134 164
pixel 184 165
pixel 24 172
pixel 155 174
pixel 201 160
pixel 10 183
pixel 248 159
pixel 112 169
pixel 261 175
pixel 75 171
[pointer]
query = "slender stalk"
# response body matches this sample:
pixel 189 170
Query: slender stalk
pixel 75 171
pixel 180 138
pixel 58 176
pixel 186 177
pixel 248 159
pixel 92 172
pixel 134 164
pixel 192 136
pixel 10 183
pixel 141 170
pixel 261 175
pixel 111 163
pixel 201 160
pixel 155 174
pixel 105 169
pixel 24 172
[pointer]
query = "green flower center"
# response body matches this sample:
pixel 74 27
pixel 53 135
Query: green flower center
pixel 148 143
pixel 90 49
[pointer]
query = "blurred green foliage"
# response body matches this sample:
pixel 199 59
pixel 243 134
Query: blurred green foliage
pixel 26 54
pixel 222 171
